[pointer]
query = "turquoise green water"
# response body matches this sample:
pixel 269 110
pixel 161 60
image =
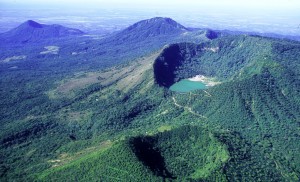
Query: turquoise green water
pixel 187 86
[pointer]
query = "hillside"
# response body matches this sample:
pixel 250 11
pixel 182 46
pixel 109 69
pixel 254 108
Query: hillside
pixel 226 58
pixel 151 158
pixel 93 124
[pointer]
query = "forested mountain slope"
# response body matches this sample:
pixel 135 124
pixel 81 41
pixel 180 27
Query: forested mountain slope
pixel 88 124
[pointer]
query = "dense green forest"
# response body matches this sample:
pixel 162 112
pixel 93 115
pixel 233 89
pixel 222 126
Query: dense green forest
pixel 102 110
pixel 158 157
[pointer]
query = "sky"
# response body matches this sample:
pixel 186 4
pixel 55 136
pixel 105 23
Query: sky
pixel 279 5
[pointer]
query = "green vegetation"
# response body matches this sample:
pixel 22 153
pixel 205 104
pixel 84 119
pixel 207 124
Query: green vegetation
pixel 78 119
pixel 155 157
pixel 112 164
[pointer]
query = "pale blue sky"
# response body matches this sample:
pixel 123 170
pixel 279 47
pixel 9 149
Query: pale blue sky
pixel 226 4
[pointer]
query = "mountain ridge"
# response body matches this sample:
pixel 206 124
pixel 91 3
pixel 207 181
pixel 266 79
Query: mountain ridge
pixel 32 31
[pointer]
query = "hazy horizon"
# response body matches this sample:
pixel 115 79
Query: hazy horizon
pixel 288 5
pixel 281 17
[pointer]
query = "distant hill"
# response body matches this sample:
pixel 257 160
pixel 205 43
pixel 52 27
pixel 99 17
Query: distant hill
pixel 151 28
pixel 31 31
pixel 159 31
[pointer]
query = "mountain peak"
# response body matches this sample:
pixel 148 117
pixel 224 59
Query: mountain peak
pixel 33 24
pixel 163 19
pixel 158 26
pixel 167 25
pixel 160 19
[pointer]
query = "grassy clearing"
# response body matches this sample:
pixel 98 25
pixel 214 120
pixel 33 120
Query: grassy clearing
pixel 164 128
pixel 51 50
pixel 124 78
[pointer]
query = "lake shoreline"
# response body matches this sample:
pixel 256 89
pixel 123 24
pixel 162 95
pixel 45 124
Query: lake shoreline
pixel 209 82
